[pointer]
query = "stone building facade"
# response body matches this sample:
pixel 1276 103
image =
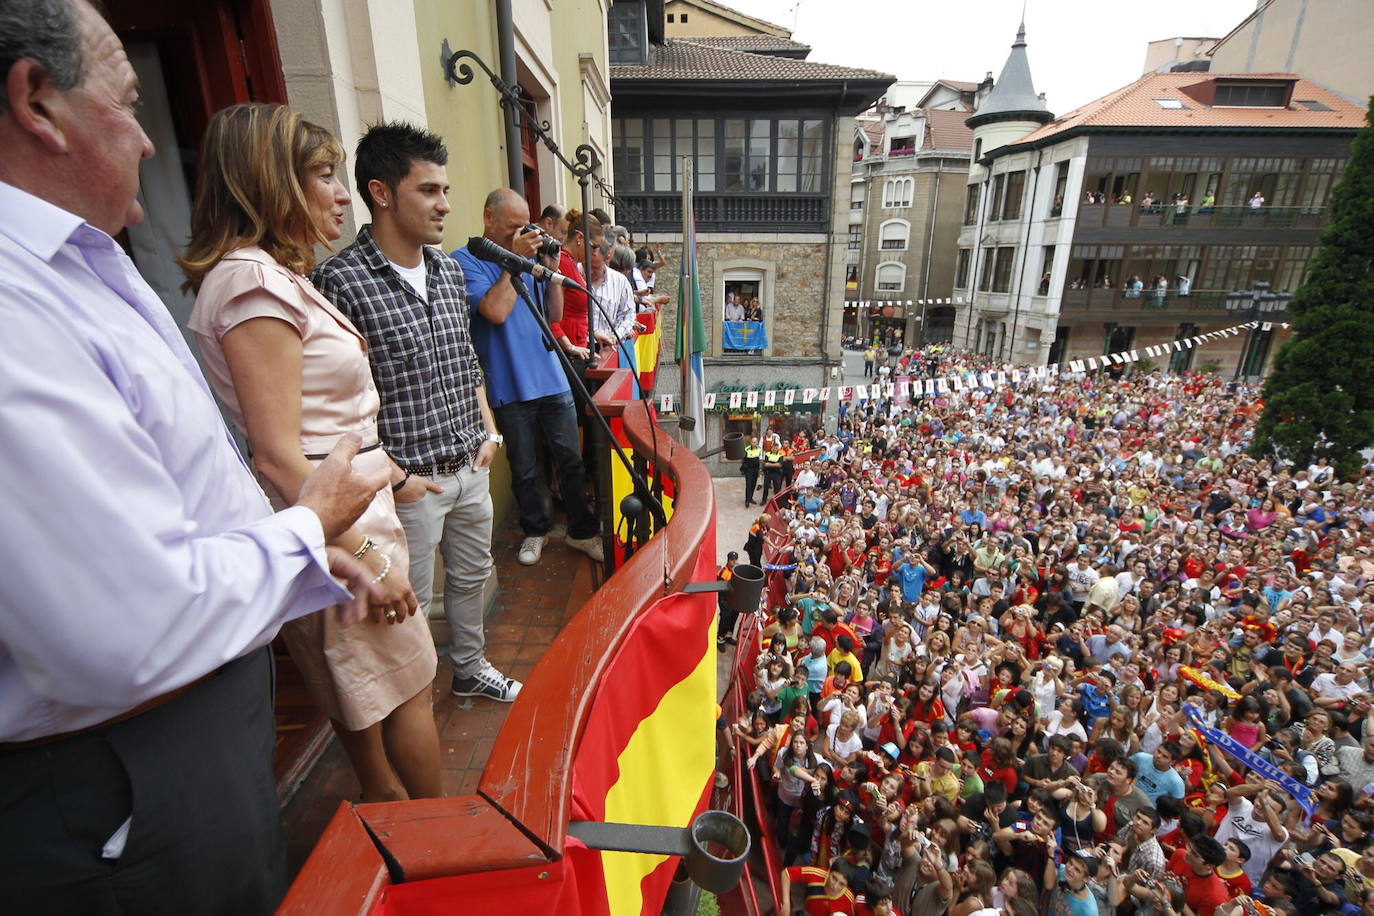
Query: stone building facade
pixel 768 132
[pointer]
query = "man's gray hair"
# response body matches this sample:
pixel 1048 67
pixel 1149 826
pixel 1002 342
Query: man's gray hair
pixel 46 31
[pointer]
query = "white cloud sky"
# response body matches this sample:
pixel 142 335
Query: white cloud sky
pixel 1079 49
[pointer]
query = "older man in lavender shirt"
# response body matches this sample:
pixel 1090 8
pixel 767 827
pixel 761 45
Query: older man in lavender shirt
pixel 144 573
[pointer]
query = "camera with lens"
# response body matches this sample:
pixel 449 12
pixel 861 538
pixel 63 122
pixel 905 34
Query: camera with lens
pixel 548 245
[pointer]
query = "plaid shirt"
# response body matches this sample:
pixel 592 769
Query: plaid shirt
pixel 422 357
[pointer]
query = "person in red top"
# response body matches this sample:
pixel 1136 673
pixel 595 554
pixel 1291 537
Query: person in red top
pixel 826 891
pixel 876 905
pixel 1232 871
pixel 571 330
pixel 998 764
pixel 1195 866
pixel 830 627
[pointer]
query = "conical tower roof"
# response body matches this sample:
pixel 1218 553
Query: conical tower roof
pixel 1013 97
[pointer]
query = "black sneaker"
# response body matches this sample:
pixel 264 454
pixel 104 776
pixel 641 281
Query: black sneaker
pixel 487 682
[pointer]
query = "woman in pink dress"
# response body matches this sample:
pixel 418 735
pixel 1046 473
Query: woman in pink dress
pixel 294 375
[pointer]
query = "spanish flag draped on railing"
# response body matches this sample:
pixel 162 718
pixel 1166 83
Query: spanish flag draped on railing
pixel 691 330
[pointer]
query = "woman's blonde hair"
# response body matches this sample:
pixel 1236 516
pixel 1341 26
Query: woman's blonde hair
pixel 250 188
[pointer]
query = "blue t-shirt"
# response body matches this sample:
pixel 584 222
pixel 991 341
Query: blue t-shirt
pixel 1154 783
pixel 974 517
pixel 913 579
pixel 517 364
pixel 817 669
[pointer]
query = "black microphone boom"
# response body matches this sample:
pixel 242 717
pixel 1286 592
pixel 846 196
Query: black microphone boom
pixel 485 249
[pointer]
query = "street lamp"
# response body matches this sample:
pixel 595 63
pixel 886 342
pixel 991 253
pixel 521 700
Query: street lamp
pixel 1252 305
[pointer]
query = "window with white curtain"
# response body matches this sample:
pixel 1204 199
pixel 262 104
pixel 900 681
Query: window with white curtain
pixel 891 277
pixel 893 235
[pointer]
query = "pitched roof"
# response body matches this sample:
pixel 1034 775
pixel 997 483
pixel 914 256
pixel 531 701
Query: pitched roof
pixel 757 44
pixel 684 59
pixel 872 131
pixel 1014 92
pixel 946 129
pixel 959 85
pixel 1134 105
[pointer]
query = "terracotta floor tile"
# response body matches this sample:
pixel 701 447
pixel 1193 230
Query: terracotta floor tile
pixel 465 725
pixel 541 635
pixel 481 750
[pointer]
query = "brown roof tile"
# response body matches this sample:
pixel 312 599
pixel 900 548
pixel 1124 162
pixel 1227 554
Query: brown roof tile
pixel 755 43
pixel 688 59
pixel 946 129
pixel 1134 105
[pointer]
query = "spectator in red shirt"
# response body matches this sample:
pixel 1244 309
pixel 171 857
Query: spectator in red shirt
pixel 1195 866
pixel 826 891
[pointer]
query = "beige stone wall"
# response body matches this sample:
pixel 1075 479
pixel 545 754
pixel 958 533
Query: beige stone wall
pixel 794 291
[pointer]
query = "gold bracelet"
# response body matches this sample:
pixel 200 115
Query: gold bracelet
pixel 362 551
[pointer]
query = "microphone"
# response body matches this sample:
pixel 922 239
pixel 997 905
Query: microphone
pixel 485 249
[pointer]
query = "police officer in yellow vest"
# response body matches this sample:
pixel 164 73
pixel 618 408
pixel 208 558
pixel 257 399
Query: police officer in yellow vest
pixel 749 467
pixel 772 469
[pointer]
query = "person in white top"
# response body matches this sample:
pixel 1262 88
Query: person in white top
pixel 1258 823
pixel 1335 687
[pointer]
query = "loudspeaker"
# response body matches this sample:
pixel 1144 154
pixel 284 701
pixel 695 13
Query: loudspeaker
pixel 718 847
pixel 734 446
pixel 746 585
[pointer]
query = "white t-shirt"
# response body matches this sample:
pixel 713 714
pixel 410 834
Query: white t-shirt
pixel 414 277
pixel 1324 685
pixel 843 748
pixel 1241 824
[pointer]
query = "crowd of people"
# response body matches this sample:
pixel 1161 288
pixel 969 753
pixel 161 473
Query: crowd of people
pixel 1066 648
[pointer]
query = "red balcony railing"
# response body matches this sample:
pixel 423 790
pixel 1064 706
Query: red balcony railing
pixel 507 842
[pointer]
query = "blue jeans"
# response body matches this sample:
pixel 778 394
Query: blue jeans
pixel 549 421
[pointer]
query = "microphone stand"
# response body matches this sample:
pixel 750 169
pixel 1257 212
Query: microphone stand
pixel 642 488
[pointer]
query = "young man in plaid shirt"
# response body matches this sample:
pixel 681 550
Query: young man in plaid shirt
pixel 409 300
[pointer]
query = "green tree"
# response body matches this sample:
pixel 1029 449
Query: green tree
pixel 1319 399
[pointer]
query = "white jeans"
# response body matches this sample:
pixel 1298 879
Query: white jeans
pixel 460 519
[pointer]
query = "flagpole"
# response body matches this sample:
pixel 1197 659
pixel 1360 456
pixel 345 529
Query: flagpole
pixel 691 332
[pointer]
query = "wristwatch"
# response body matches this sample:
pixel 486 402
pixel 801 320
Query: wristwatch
pixel 499 439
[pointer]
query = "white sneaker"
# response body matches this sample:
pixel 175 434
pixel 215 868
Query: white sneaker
pixel 590 546
pixel 487 682
pixel 531 549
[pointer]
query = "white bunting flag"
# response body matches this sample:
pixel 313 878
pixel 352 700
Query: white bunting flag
pixel 1001 379
pixel 825 393
pixel 846 393
pixel 1135 356
pixel 808 395
pixel 665 403
pixel 789 396
pixel 958 383
pixel 751 399
pixel 1092 363
pixel 904 389
pixel 709 401
pixel 942 386
pixel 770 398
pixel 736 399
pixel 1075 365
pixel 1267 326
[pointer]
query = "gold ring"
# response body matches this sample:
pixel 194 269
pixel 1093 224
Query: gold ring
pixel 390 615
